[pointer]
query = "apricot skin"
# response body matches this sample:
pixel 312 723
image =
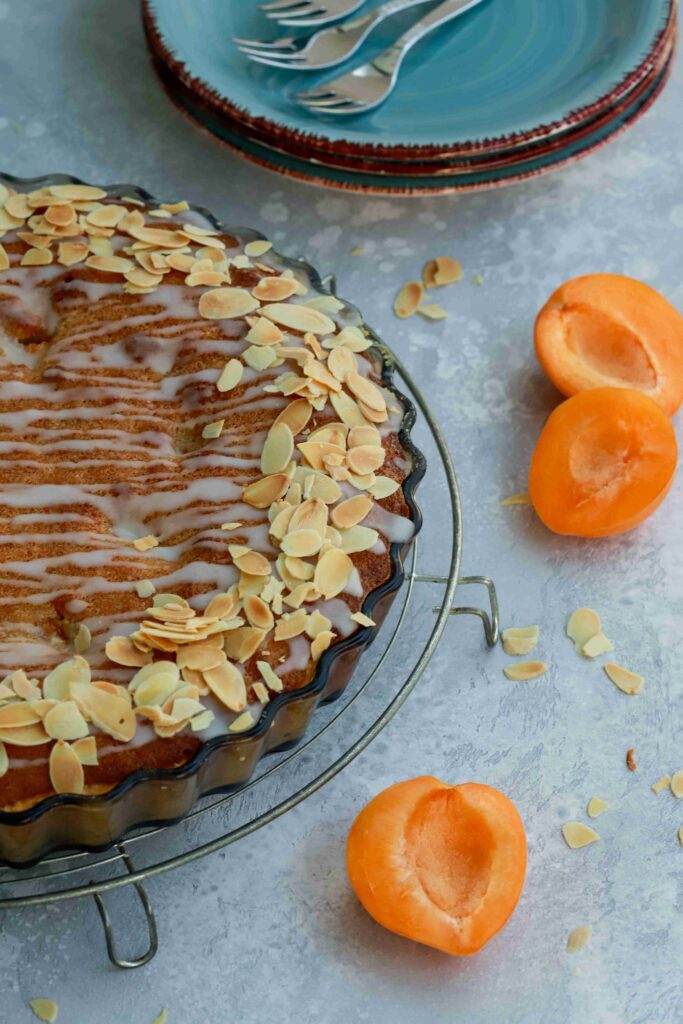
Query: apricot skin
pixel 609 330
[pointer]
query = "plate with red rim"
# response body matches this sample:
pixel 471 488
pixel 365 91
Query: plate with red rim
pixel 527 70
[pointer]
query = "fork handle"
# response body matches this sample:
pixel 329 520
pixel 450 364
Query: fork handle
pixel 390 59
pixel 384 10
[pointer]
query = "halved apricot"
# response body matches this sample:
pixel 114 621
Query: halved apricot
pixel 607 330
pixel 603 463
pixel 443 865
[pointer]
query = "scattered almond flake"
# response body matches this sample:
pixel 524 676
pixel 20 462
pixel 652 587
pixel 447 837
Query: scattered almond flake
pixel 145 543
pixel 432 311
pixel 478 279
pixel 65 722
pixel 598 644
pixel 631 760
pixel 82 639
pixel 264 332
pixel 66 771
pixel 596 807
pixel 100 247
pixel 122 651
pixel 110 264
pixel 583 624
pixel 4 258
pixel 576 834
pixel 226 304
pixel 44 1009
pixel 521 670
pixel 145 588
pixel 265 491
pixel 86 750
pixel 519 640
pixel 275 289
pixel 441 271
pixel 677 785
pixel 362 620
pixel 241 724
pixel 357 250
pixel 230 376
pixel 213 430
pixel 661 784
pixel 680 835
pixel 270 678
pixel 408 299
pixel 175 208
pixel 259 357
pixel 162 214
pixel 383 487
pixel 70 253
pixel 202 721
pixel 163 1016
pixel 321 643
pixel 259 247
pixel 143 278
pixel 36 258
pixel 625 680
pixel 523 498
pixel 261 692
pixel 579 938
pixel 299 318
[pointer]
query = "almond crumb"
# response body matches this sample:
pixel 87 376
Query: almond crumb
pixel 145 543
pixel 578 938
pixel 661 784
pixel 630 759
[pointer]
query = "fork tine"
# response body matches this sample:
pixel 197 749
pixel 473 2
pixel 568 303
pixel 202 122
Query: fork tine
pixel 343 107
pixel 272 63
pixel 283 5
pixel 252 51
pixel 313 94
pixel 260 44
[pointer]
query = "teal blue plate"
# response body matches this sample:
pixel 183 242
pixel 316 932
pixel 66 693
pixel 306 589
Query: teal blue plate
pixel 507 69
pixel 316 173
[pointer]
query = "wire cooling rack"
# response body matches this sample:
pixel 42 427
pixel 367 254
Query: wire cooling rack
pixel 384 678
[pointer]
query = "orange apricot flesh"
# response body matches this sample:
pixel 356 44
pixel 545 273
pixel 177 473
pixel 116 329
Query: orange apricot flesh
pixel 603 463
pixel 442 865
pixel 608 330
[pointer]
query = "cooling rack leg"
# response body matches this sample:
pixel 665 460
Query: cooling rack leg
pixel 490 619
pixel 109 930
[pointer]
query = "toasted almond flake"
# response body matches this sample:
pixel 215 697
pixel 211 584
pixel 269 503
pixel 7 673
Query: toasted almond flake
pixel 18 716
pixel 596 646
pixel 100 247
pixel 432 311
pixel 242 723
pixel 677 785
pixel 122 651
pixel 258 613
pixel 17 206
pixel 357 539
pixel 29 736
pixel 523 498
pixel 143 278
pixel 213 430
pixel 71 253
pixel 230 376
pixel 253 563
pixel 365 459
pixel 625 680
pixel 86 750
pixel 78 193
pixel 264 332
pixel 145 588
pixel 583 624
pixel 441 271
pixel 351 512
pixel 291 625
pixel 299 318
pixel 596 807
pixel 180 261
pixel 36 258
pixel 576 834
pixel 361 436
pixel 45 1009
pixel 321 643
pixel 22 686
pixel 4 258
pixel 661 784
pixel 65 722
pixel 57 682
pixel 579 938
pixel 110 264
pixel 261 692
pixel 631 760
pixel 362 620
pixel 383 487
pixel 227 684
pixel 269 676
pixel 408 299
pixel 332 573
pixel 302 543
pixel 275 289
pixel 106 216
pixel 519 640
pixel 66 771
pixel 259 247
pixel 112 714
pixel 525 670
pixel 8 222
pixel 262 493
pixel 277 449
pixel 366 392
pixel 202 721
pixel 145 543
pixel 226 304
pixel 179 207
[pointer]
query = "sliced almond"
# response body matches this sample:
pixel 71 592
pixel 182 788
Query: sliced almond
pixel 625 680
pixel 264 492
pixel 310 515
pixel 78 193
pixel 107 216
pixel 275 289
pixel 442 271
pixel 661 784
pixel 596 807
pixel 66 771
pixel 264 332
pixel 321 643
pixel 213 430
pixel 362 620
pixel 432 311
pixel 366 392
pixel 597 645
pixel 519 640
pixel 579 938
pixel 70 253
pixel 86 750
pixel 577 835
pixel 357 539
pixel 17 716
pixel 241 644
pixel 408 299
pixel 299 318
pixel 366 435
pixel 523 498
pixel 332 573
pixel 110 264
pixel 145 543
pixel 296 415
pixel 222 606
pixel 4 760
pixel 270 678
pixel 4 258
pixel 112 714
pixel 226 304
pixel 302 543
pixel 227 683
pixel 347 409
pixel 230 376
pixel 57 682
pixel 36 258
pixel 259 247
pixel 251 562
pixel 257 612
pixel 145 588
pixel 365 459
pixel 525 670
pixel 383 487
pixel 65 722
pixel 677 785
pixel 28 736
pixel 45 1009
pixel 122 651
pixel 583 624
pixel 351 512
pixel 291 625
pixel 277 449
pixel 342 361
pixel 242 724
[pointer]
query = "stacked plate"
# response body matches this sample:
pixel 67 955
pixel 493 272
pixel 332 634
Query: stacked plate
pixel 510 90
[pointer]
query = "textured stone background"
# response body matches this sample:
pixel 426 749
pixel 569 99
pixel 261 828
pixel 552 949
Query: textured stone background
pixel 268 931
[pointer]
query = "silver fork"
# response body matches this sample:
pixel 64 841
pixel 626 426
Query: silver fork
pixel 310 12
pixel 328 47
pixel 367 86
